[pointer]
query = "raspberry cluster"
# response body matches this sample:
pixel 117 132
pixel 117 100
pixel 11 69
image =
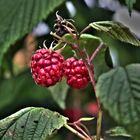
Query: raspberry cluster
pixel 47 67
pixel 76 73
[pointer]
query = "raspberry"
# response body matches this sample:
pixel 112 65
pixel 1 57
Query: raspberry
pixel 92 108
pixel 73 114
pixel 76 73
pixel 47 67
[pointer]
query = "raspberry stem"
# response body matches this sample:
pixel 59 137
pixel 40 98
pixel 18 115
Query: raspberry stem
pixel 85 131
pixel 87 62
pixel 96 52
pixel 85 29
pixel 76 47
pixel 99 124
pixel 82 131
pixel 76 132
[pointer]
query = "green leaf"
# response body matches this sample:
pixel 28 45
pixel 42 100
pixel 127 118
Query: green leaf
pixel 130 5
pixel 18 18
pixel 21 87
pixel 117 31
pixel 119 92
pixel 31 124
pixel 118 131
pixel 59 93
pixel 89 42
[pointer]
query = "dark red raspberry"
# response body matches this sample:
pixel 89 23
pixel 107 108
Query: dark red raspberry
pixel 76 73
pixel 74 114
pixel 47 67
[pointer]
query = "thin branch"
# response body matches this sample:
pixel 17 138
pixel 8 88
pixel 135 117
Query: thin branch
pixel 91 75
pixel 82 125
pixel 85 29
pixel 90 71
pixel 82 131
pixel 99 124
pixel 87 62
pixel 76 132
pixel 96 52
pixel 88 59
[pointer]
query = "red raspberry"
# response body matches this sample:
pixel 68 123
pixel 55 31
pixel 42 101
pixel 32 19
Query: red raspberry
pixel 47 67
pixel 76 73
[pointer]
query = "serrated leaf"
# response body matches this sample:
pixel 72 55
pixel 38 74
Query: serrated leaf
pixel 59 93
pixel 117 31
pixel 21 87
pixel 118 131
pixel 130 5
pixel 119 92
pixel 31 124
pixel 18 18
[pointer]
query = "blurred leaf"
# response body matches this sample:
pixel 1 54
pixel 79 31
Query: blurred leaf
pixel 31 123
pixel 59 93
pixel 89 42
pixel 130 5
pixel 117 31
pixel 122 53
pixel 119 92
pixel 98 14
pixel 118 131
pixel 21 87
pixel 18 18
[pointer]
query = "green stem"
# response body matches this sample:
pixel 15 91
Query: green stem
pixel 99 124
pixel 75 132
pixel 91 75
pixel 85 29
